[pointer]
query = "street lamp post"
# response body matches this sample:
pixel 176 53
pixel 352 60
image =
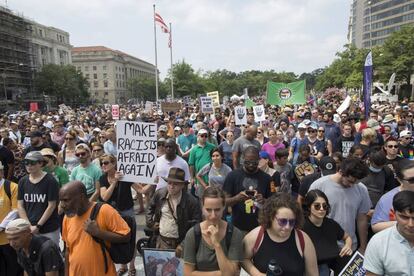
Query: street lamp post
pixel 4 81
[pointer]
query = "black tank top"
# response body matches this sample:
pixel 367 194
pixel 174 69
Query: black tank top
pixel 285 253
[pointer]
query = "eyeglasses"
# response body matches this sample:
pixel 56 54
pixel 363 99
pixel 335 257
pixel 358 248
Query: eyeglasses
pixel 203 135
pixel 320 130
pixel 408 180
pixel 407 138
pixel 232 122
pixel 311 130
pixel 160 145
pixel 105 163
pixel 30 162
pixel 251 163
pixel 69 138
pixel 284 222
pixel 392 146
pixel 319 206
pixel 81 154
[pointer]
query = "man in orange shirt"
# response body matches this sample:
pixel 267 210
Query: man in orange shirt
pixel 83 254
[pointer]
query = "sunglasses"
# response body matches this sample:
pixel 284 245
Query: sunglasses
pixel 80 154
pixel 69 138
pixel 392 146
pixel 105 163
pixel 311 130
pixel 30 162
pixel 160 145
pixel 321 131
pixel 251 163
pixel 203 135
pixel 409 180
pixel 284 222
pixel 319 206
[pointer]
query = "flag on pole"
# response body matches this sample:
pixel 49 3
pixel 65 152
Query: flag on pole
pixel 161 22
pixel 367 83
pixel 286 93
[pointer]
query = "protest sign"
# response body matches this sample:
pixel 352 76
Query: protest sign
pixel 240 114
pixel 216 99
pixel 304 169
pixel 259 113
pixel 354 266
pixel 148 106
pixel 207 105
pixel 186 100
pixel 34 107
pixel 344 106
pixel 137 151
pixel 168 107
pixel 115 112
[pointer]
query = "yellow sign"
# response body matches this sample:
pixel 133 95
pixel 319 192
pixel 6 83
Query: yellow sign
pixel 216 98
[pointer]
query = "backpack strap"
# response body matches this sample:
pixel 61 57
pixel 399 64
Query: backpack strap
pixel 301 241
pixel 229 235
pixel 93 216
pixel 7 188
pixel 197 236
pixel 36 246
pixel 259 240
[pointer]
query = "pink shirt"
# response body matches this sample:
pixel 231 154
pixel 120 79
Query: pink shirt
pixel 271 149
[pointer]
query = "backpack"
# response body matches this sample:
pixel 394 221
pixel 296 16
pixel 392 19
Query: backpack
pixel 197 235
pixel 121 253
pixel 259 240
pixel 7 189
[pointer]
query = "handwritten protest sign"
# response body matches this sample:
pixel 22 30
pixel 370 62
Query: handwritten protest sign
pixel 259 113
pixel 207 105
pixel 240 114
pixel 115 112
pixel 137 151
pixel 354 266
pixel 216 98
pixel 148 106
pixel 168 107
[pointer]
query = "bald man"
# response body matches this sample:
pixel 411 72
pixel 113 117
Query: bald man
pixel 83 253
pixel 242 143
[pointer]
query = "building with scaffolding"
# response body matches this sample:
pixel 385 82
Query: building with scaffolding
pixel 25 46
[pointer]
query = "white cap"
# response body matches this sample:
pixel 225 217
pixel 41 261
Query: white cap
pixel 337 118
pixel 202 131
pixel 405 133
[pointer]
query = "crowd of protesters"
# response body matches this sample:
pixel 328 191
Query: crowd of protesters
pixel 298 193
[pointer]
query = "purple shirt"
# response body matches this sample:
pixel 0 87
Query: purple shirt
pixel 271 149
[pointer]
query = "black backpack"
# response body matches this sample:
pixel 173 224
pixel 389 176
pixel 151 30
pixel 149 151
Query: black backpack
pixel 121 253
pixel 197 235
pixel 7 188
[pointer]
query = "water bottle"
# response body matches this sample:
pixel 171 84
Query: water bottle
pixel 273 269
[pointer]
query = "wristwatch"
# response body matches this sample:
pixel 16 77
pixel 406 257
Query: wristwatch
pixel 38 226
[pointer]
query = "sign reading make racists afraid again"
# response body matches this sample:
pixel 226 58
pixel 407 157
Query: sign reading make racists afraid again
pixel 137 151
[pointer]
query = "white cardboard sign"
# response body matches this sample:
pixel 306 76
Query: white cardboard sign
pixel 259 113
pixel 207 105
pixel 240 114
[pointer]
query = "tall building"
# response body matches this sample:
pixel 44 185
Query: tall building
pixel 108 71
pixel 25 46
pixel 372 21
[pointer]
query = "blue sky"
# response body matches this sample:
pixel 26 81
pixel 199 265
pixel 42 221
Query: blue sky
pixel 237 35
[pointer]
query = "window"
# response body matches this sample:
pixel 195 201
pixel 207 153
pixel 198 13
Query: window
pixel 41 32
pixel 105 75
pixel 104 67
pixel 87 76
pixel 116 83
pixel 94 68
pixel 105 83
pixel 95 76
pixel 106 93
pixel 86 68
pixel 95 84
pixel 96 93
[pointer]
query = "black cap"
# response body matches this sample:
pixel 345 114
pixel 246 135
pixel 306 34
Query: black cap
pixel 327 165
pixel 35 133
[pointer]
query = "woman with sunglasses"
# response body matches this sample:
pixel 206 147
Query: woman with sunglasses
pixel 213 247
pixel 278 239
pixel 324 232
pixel 67 157
pixel 261 136
pixel 97 152
pixel 118 194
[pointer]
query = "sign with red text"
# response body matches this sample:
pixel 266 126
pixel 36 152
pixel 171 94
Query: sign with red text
pixel 115 112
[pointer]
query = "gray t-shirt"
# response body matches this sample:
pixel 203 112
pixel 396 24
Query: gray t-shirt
pixel 346 203
pixel 215 176
pixel 203 257
pixel 241 144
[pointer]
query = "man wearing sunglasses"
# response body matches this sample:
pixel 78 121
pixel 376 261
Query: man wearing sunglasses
pixel 242 143
pixel 36 142
pixel 37 198
pixel 384 215
pixel 349 199
pixel 391 149
pixel 406 149
pixel 390 252
pixel 87 172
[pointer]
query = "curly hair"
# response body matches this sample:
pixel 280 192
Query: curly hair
pixel 274 203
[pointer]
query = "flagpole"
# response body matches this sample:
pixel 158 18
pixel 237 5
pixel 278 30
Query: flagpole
pixel 171 59
pixel 156 62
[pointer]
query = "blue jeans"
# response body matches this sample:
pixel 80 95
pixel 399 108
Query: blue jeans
pixel 324 270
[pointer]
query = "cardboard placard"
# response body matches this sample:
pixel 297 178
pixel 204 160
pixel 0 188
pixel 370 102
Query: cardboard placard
pixel 168 107
pixel 137 151
pixel 34 107
pixel 216 98
pixel 148 106
pixel 240 115
pixel 115 112
pixel 207 105
pixel 304 169
pixel 259 113
pixel 355 266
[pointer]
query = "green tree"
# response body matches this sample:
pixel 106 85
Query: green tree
pixel 186 80
pixel 62 82
pixel 142 88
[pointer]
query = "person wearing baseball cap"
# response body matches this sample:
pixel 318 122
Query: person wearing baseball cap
pixel 8 212
pixel 37 142
pixel 36 254
pixel 51 166
pixel 406 148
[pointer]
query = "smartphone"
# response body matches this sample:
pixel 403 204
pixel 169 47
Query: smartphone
pixel 250 193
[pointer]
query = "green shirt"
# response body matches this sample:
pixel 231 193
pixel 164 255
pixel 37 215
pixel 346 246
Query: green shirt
pixel 199 157
pixel 60 174
pixel 88 176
